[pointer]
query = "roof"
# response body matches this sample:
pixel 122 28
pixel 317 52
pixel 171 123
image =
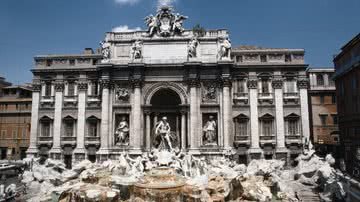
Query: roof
pixel 252 48
pixel 321 69
pixel 347 46
pixel 24 87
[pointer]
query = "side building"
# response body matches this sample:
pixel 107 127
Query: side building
pixel 323 111
pixel 15 117
pixel 347 79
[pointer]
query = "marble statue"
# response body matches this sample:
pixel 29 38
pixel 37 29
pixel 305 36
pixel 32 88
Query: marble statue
pixel 105 51
pixel 162 132
pixel 210 131
pixel 152 23
pixel 122 132
pixel 192 52
pixel 225 47
pixel 165 23
pixel 122 94
pixel 136 50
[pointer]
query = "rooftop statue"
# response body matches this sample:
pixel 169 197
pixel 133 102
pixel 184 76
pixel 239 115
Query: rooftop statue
pixel 165 23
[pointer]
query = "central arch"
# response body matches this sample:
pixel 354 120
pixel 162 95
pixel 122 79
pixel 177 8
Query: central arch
pixel 178 89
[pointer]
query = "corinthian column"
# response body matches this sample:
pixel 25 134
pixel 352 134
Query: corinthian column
pixel 80 146
pixel 183 129
pixel 55 151
pixel 227 113
pixel 194 139
pixel 279 108
pixel 104 128
pixel 135 136
pixel 32 151
pixel 303 85
pixel 254 120
pixel 148 130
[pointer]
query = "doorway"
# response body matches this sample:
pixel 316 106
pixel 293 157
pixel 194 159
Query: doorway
pixel 68 161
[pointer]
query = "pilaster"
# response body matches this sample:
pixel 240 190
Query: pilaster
pixel 254 120
pixel 136 133
pixel 226 84
pixel 194 113
pixel 104 128
pixel 80 146
pixel 55 151
pixel 277 84
pixel 303 85
pixel 32 150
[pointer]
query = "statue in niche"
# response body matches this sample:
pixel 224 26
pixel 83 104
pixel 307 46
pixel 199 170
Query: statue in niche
pixel 209 129
pixel 164 138
pixel 136 50
pixel 192 52
pixel 122 132
pixel 105 51
pixel 122 94
pixel 209 93
pixel 225 47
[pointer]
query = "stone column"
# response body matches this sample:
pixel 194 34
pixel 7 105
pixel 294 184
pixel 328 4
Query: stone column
pixel 254 120
pixel 279 108
pixel 303 85
pixel 32 151
pixel 104 128
pixel 326 79
pixel 55 151
pixel 183 130
pixel 148 130
pixel 194 140
pixel 227 113
pixel 135 137
pixel 80 145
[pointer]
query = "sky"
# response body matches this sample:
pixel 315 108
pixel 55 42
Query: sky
pixel 38 27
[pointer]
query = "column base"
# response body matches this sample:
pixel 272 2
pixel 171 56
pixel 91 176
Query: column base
pixel 55 153
pixel 31 152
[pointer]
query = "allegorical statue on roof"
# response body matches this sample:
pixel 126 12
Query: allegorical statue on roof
pixel 165 23
pixel 105 51
pixel 225 48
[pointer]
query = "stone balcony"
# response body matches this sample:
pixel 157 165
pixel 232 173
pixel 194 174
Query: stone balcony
pixel 241 98
pixel 266 97
pixel 70 99
pixel 92 141
pixel 47 99
pixel 68 140
pixel 45 141
pixel 267 140
pixel 241 141
pixel 291 96
pixel 93 100
pixel 293 139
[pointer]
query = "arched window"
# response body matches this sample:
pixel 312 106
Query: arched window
pixel 320 79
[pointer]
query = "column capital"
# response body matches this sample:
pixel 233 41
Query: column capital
pixel 59 86
pixel 183 111
pixel 147 112
pixel 225 82
pixel 82 86
pixel 136 83
pixel 105 83
pixel 277 83
pixel 303 83
pixel 36 87
pixel 252 83
pixel 194 82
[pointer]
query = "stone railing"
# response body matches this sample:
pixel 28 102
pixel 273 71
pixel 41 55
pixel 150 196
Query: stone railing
pixel 45 140
pixel 267 139
pixel 92 140
pixel 68 140
pixel 293 139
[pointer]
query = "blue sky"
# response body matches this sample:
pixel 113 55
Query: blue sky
pixel 33 27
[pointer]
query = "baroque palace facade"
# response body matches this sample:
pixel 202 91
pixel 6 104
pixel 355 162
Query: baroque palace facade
pixel 249 102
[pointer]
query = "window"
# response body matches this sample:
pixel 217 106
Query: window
pixel 92 128
pixel 45 129
pixel 69 127
pixel 333 99
pixel 241 84
pixel 71 62
pixel 94 88
pixel 14 134
pixel 71 88
pixel 322 100
pixel 323 119
pixel 292 127
pixel 3 134
pixel 47 89
pixel 263 58
pixel 320 79
pixel 290 86
pixel 335 119
pixel 267 127
pixel 265 86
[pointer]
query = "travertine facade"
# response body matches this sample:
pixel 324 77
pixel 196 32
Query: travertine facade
pixel 249 101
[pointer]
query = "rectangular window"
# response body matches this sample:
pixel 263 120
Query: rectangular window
pixel 92 129
pixel 333 99
pixel 323 119
pixel 71 89
pixel 290 86
pixel 69 128
pixel 265 86
pixel 45 129
pixel 3 134
pixel 14 134
pixel 243 127
pixel 48 89
pixel 322 99
pixel 293 127
pixel 267 127
pixel 241 86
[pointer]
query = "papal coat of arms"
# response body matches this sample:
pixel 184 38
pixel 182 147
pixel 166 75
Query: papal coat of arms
pixel 165 23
